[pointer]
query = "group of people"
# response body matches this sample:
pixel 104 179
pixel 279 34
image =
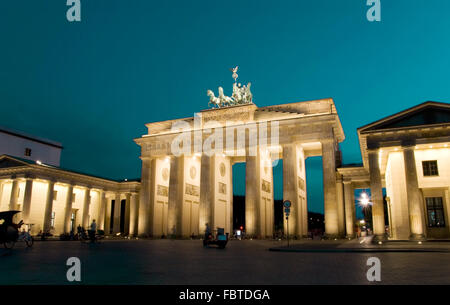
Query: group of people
pixel 91 232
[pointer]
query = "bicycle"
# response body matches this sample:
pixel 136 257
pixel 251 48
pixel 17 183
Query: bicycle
pixel 26 236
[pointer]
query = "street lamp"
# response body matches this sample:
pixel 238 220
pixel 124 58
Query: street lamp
pixel 364 200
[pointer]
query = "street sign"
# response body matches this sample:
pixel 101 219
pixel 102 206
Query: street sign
pixel 287 204
pixel 287 211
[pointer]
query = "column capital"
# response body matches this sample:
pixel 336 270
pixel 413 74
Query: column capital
pixel 408 146
pixel 373 150
pixel 328 140
pixel 408 143
pixel 347 181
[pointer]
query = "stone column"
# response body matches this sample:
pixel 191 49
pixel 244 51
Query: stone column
pixel 415 201
pixel 48 207
pixel 230 193
pixel 376 190
pixel 340 205
pixel 329 189
pixel 102 210
pixel 127 214
pixel 117 210
pixel 252 195
pixel 26 208
pixel 290 191
pixel 207 191
pixel 1 192
pixel 86 205
pixel 134 214
pixel 68 209
pixel 176 189
pixel 14 195
pixel 146 198
pixel 349 209
pixel 108 216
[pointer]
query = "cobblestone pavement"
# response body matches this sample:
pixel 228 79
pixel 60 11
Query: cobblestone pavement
pixel 242 262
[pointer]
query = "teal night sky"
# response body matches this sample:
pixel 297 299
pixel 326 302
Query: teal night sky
pixel 92 85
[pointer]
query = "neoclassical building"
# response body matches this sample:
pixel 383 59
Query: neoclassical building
pixel 186 178
pixel 187 167
pixel 407 153
pixel 57 201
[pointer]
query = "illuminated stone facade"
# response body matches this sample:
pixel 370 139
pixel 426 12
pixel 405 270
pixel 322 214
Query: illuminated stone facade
pixel 57 201
pixel 200 185
pixel 407 153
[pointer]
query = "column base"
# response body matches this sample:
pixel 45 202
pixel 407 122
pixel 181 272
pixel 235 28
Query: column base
pixel 332 236
pixel 379 238
pixel 417 237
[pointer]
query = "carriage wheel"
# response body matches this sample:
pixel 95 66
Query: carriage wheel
pixel 29 241
pixel 9 244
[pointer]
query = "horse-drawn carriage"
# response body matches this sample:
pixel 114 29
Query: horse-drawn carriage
pixel 9 231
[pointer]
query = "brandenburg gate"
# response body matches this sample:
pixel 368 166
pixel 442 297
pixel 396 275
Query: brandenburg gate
pixel 187 166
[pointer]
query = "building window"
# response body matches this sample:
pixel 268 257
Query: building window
pixel 435 212
pixel 72 220
pixel 55 195
pixel 28 152
pixel 52 221
pixel 430 168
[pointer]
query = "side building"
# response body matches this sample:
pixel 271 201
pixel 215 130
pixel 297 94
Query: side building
pixel 408 154
pixel 22 145
pixel 56 200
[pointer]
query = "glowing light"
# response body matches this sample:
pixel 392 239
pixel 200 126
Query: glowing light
pixel 380 243
pixel 446 145
pixel 417 147
pixel 364 200
pixel 38 162
pixel 419 242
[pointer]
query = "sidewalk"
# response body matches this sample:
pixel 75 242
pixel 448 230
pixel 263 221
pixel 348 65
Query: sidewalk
pixel 362 245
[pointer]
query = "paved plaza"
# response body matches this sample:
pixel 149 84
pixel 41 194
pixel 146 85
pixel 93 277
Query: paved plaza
pixel 242 262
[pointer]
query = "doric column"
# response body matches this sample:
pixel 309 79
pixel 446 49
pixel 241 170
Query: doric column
pixel 68 209
pixel 48 207
pixel 134 214
pixel 86 205
pixel 146 195
pixel 127 214
pixel 176 188
pixel 14 195
pixel 329 188
pixel 101 210
pixel 117 210
pixel 1 192
pixel 207 190
pixel 340 205
pixel 290 191
pixel 230 194
pixel 415 202
pixel 26 208
pixel 376 190
pixel 349 197
pixel 252 195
